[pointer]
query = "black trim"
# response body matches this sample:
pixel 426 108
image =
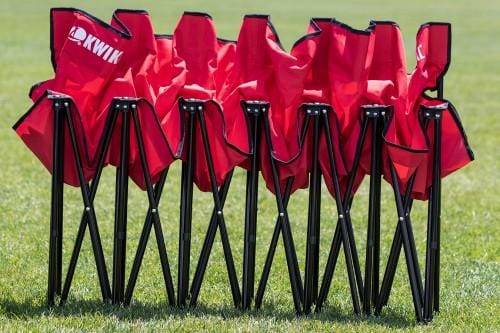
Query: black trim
pixel 317 31
pixel 33 87
pixel 164 36
pixel 126 11
pixel 125 33
pixel 384 22
pixel 269 24
pixel 226 41
pixel 389 118
pixel 44 96
pixel 195 13
pixel 180 148
pixel 368 30
pixel 448 61
pixel 158 123
pixel 453 112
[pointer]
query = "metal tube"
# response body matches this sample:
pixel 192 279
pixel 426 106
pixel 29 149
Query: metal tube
pixel 341 214
pixel 119 251
pixel 56 200
pixel 141 248
pixel 153 204
pixel 287 233
pixel 272 248
pixel 89 208
pixel 336 241
pixel 248 280
pixel 406 245
pixel 233 280
pixel 312 221
pixel 431 275
pixel 208 243
pixel 371 221
pixel 101 153
pixel 186 216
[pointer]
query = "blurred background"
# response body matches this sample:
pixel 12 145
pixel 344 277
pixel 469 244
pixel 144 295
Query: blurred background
pixel 470 209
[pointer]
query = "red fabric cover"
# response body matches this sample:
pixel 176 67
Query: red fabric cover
pixel 433 53
pixel 264 71
pixel 405 142
pixel 196 68
pixel 138 83
pixel 338 77
pixel 87 57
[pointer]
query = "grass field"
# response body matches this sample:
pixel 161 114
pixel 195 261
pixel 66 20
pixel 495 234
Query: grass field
pixel 470 296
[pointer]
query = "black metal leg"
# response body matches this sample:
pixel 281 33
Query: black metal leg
pixel 141 248
pixel 208 243
pixel 336 242
pixel 233 280
pixel 272 249
pixel 56 202
pixel 153 205
pixel 341 214
pixel 98 253
pixel 312 221
pixel 251 208
pixel 390 272
pixel 89 208
pixel 372 246
pixel 331 263
pixel 407 246
pixel 317 236
pixel 274 241
pixel 287 233
pixel 432 268
pixel 119 252
pixel 186 216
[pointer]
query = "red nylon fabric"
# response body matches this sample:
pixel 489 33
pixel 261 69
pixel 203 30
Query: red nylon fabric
pixel 264 71
pixel 405 142
pixel 337 77
pixel 140 80
pixel 86 55
pixel 433 48
pixel 197 65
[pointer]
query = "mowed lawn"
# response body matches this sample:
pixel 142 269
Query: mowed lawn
pixel 470 271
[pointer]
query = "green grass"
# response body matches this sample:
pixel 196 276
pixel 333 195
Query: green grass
pixel 470 294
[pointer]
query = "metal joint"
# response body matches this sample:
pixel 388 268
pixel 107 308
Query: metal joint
pixel 316 109
pixel 255 107
pixel 434 112
pixel 375 110
pixel 192 105
pixel 125 104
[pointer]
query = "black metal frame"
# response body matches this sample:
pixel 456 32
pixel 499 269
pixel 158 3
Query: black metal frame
pixel 426 300
pixel 319 115
pixel 432 262
pixel 368 288
pixel 62 119
pixel 258 125
pixel 194 110
pixel 376 115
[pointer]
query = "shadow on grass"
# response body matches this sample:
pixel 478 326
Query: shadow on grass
pixel 152 311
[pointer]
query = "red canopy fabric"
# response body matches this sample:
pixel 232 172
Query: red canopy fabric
pixel 87 55
pixel 264 71
pixel 196 65
pixel 405 141
pixel 433 54
pixel 338 77
pixel 140 82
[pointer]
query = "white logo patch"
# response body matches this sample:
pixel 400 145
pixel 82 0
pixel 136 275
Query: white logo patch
pixel 94 45
pixel 420 55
